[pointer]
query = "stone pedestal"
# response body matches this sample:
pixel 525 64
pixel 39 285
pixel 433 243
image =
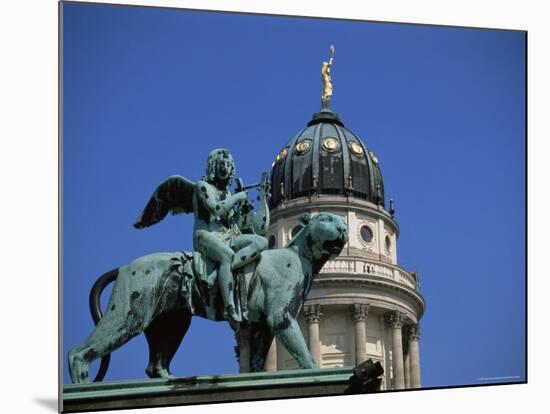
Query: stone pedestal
pixel 205 389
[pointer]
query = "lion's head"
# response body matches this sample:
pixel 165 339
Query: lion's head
pixel 325 235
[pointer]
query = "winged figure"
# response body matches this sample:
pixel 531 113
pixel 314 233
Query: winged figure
pixel 226 233
pixel 174 195
pixel 228 276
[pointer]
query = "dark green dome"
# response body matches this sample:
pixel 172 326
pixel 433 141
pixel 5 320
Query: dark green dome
pixel 326 158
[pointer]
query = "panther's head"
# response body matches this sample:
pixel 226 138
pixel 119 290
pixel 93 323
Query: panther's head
pixel 325 235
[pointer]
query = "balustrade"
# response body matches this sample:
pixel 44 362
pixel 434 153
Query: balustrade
pixel 361 267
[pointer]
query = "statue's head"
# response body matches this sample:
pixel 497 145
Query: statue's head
pixel 220 166
pixel 325 234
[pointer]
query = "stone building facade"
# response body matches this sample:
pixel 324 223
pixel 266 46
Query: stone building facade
pixel 362 304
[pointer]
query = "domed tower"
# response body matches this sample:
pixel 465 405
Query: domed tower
pixel 362 304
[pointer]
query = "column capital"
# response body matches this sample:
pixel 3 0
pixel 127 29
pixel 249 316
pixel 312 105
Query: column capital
pixel 414 332
pixel 395 319
pixel 359 312
pixel 313 313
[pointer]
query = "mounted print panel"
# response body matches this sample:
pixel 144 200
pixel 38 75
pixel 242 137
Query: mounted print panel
pixel 261 207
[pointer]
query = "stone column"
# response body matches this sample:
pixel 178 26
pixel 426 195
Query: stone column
pixel 271 360
pixel 359 315
pixel 396 322
pixel 244 347
pixel 414 336
pixel 407 368
pixel 313 317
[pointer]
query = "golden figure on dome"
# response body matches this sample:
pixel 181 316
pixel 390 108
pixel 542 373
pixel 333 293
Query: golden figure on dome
pixel 326 80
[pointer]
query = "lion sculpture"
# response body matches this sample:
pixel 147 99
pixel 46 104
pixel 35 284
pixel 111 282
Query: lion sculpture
pixel 159 293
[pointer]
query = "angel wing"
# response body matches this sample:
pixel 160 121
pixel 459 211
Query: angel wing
pixel 173 195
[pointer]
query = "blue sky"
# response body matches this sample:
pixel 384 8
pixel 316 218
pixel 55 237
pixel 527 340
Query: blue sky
pixel 149 92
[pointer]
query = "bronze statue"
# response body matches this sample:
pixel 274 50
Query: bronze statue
pixel 159 293
pixel 216 234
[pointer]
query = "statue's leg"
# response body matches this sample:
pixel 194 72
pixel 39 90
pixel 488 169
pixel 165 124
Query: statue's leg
pixel 113 330
pixel 282 303
pixel 261 339
pixel 218 251
pixel 164 336
pixel 288 331
pixel 247 247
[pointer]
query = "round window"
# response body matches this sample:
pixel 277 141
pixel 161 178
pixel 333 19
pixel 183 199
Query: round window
pixel 366 234
pixel 271 243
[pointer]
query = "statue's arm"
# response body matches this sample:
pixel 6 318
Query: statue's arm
pixel 208 195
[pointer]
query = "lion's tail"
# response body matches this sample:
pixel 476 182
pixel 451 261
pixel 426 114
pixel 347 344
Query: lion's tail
pixel 97 314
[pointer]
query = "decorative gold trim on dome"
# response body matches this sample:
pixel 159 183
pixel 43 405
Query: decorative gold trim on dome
pixel 330 144
pixel 303 147
pixel 374 159
pixel 356 148
pixel 282 155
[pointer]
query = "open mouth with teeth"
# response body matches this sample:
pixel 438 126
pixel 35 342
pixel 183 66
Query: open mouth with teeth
pixel 334 246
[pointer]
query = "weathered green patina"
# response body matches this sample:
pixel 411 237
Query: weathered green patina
pixel 207 389
pixel 230 276
pixel 227 234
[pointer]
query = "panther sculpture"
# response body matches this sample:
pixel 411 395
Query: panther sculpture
pixel 159 293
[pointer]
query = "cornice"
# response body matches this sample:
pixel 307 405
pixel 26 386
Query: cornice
pixel 370 280
pixel 307 204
